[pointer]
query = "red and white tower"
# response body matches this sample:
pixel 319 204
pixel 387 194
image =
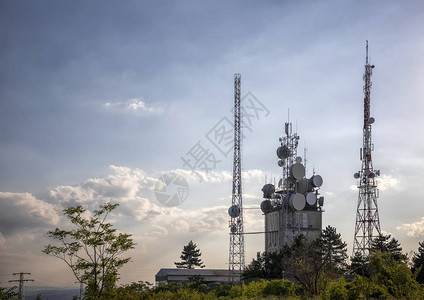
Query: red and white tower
pixel 367 224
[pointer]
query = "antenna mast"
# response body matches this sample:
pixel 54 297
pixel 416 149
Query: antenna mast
pixel 236 263
pixel 367 224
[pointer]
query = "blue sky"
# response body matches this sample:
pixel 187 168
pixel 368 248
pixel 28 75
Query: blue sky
pixel 98 99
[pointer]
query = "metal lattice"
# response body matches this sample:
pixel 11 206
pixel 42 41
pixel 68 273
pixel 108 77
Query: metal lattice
pixel 367 225
pixel 236 259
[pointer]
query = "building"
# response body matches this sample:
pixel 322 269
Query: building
pixel 294 206
pixel 181 276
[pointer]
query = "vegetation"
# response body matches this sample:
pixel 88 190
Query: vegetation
pixel 8 293
pixel 418 263
pixel 92 249
pixel 302 270
pixel 305 262
pixel 190 257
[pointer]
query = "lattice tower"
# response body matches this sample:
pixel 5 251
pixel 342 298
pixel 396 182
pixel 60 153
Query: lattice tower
pixel 367 225
pixel 236 257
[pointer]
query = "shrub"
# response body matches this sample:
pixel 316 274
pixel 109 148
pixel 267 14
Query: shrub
pixel 280 288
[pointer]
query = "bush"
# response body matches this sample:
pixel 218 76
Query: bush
pixel 335 290
pixel 280 288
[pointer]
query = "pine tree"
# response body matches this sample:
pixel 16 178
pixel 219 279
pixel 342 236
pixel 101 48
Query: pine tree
pixel 333 249
pixel 418 263
pixel 359 265
pixel 190 257
pixel 387 243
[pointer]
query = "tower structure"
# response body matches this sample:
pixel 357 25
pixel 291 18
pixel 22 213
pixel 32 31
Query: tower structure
pixel 236 257
pixel 21 281
pixel 294 206
pixel 367 224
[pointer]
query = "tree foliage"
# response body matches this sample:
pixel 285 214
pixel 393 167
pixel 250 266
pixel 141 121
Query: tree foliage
pixel 418 263
pixel 388 244
pixel 92 249
pixel 303 260
pixel 8 293
pixel 333 250
pixel 359 265
pixel 190 257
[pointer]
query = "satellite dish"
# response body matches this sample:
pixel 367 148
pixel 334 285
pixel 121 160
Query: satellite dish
pixel 371 120
pixel 233 228
pixel 311 198
pixel 356 175
pixel 283 152
pixel 234 211
pixel 297 201
pixel 297 171
pixel 302 185
pixel 281 163
pixel 266 206
pixel 315 181
pixel 268 190
pixel 298 159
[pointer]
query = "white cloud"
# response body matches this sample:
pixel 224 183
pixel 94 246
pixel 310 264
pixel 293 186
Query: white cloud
pixel 123 185
pixel 386 182
pixel 134 105
pixel 414 229
pixel 24 210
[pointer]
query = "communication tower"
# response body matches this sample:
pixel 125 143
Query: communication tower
pixel 236 260
pixel 367 224
pixel 294 206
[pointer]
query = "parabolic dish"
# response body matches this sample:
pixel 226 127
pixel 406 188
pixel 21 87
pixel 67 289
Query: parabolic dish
pixel 283 152
pixel 234 211
pixel 297 201
pixel 297 171
pixel 268 190
pixel 302 185
pixel 266 206
pixel 311 198
pixel 316 181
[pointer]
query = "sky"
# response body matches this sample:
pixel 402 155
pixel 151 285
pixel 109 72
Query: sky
pixel 100 99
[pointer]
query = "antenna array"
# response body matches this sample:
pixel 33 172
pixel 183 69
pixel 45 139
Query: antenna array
pixel 367 217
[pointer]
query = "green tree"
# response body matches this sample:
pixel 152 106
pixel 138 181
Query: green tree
pixel 8 293
pixel 333 250
pixel 304 261
pixel 92 250
pixel 418 263
pixel 190 257
pixel 359 265
pixel 386 243
pixel 395 276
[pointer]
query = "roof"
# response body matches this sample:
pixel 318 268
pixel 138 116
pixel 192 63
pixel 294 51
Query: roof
pixel 181 274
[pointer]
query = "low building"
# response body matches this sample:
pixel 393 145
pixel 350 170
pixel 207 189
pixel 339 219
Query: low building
pixel 181 276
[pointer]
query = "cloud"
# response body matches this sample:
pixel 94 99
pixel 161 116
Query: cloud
pixel 2 241
pixel 23 210
pixel 415 229
pixel 386 182
pixel 123 185
pixel 132 105
pixel 131 188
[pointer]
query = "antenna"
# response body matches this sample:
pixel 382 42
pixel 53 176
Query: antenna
pixel 236 259
pixel 367 217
